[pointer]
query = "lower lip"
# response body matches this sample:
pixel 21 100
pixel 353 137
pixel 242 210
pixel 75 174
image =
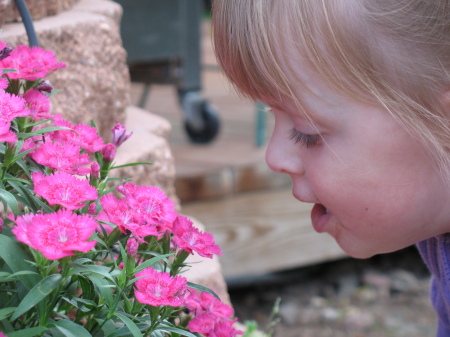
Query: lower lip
pixel 319 218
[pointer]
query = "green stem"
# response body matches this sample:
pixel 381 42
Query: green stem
pixel 178 263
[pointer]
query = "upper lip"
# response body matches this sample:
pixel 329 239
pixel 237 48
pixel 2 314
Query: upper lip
pixel 299 198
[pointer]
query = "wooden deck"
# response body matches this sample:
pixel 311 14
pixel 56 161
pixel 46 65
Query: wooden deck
pixel 227 186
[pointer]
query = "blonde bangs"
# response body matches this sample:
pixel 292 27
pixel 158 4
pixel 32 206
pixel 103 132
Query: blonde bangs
pixel 245 50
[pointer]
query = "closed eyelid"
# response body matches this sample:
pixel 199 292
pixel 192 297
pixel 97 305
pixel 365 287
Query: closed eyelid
pixel 308 140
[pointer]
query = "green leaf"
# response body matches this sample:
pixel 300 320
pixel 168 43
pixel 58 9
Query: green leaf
pixel 28 332
pixel 28 196
pixel 150 262
pixel 9 177
pixel 101 284
pixel 70 329
pixel 93 269
pixel 10 200
pixel 176 330
pixel 5 71
pixel 4 313
pixel 24 167
pixel 22 272
pixel 43 206
pixel 130 324
pixel 131 164
pixel 108 327
pixel 37 294
pixel 15 258
pixel 20 155
pixel 26 135
pixel 203 288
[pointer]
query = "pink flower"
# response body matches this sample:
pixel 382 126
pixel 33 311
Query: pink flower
pixel 31 63
pixel 119 134
pixel 88 138
pixel 22 223
pixel 200 303
pixel 3 83
pixel 203 324
pixel 118 212
pixel 82 135
pixel 191 239
pixel 102 218
pixel 6 135
pixel 159 288
pixel 62 156
pixel 11 106
pixel 212 326
pixel 2 334
pixel 151 203
pixel 63 189
pixel 225 328
pixel 57 235
pixel 38 103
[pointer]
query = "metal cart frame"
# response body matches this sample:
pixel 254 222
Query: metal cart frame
pixel 162 39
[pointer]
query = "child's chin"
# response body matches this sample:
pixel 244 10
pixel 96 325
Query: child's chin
pixel 358 252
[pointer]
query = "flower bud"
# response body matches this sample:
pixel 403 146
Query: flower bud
pixel 119 134
pixel 95 170
pixel 45 86
pixel 4 52
pixel 92 209
pixel 132 247
pixel 108 152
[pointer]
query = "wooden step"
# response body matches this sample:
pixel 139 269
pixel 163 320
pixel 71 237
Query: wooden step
pixel 262 232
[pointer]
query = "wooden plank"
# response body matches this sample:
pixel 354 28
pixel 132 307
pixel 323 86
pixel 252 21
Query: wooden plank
pixel 261 232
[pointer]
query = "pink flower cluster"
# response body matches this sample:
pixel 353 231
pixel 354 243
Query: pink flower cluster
pixel 211 316
pixel 68 177
pixel 66 150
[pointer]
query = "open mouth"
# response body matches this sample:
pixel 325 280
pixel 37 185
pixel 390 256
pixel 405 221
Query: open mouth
pixel 320 216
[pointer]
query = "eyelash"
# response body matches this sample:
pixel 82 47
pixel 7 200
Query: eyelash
pixel 306 140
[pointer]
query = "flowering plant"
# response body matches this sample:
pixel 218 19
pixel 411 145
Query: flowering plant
pixel 81 253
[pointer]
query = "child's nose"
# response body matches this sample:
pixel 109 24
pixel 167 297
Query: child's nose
pixel 282 155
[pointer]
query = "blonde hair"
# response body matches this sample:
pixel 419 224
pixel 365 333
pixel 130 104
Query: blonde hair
pixel 394 53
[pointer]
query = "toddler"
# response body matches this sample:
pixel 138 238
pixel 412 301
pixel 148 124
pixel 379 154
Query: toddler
pixel 360 92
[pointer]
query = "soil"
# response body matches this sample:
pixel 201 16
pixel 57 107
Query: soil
pixel 385 296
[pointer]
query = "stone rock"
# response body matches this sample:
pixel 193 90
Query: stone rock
pixel 38 8
pixel 404 281
pixel 96 84
pixel 4 5
pixel 290 312
pixel 147 144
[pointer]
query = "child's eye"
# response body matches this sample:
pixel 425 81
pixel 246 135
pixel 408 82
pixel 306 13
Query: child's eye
pixel 306 140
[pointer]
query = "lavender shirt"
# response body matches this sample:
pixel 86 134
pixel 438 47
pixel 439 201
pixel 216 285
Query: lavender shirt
pixel 436 254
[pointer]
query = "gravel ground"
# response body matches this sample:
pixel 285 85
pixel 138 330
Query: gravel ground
pixel 385 296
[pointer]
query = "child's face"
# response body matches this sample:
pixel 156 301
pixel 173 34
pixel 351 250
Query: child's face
pixel 379 189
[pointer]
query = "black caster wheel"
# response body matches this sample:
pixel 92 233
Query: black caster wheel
pixel 209 128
